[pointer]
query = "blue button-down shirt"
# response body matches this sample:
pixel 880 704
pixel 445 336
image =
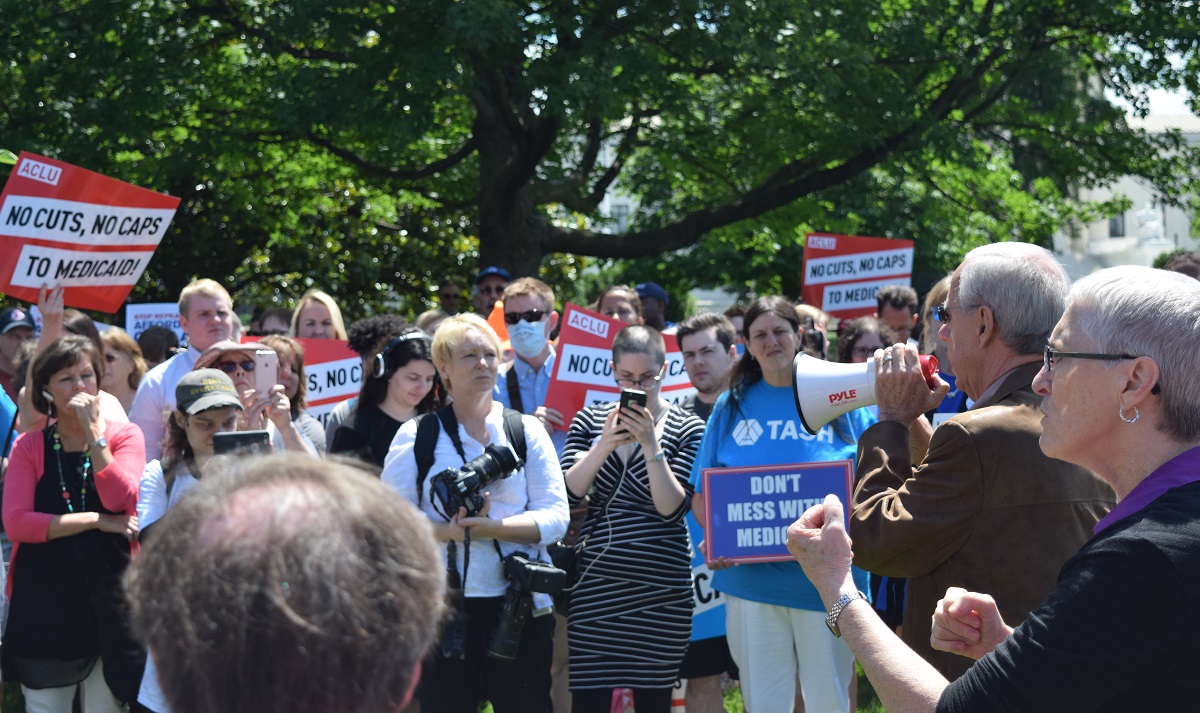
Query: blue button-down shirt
pixel 533 383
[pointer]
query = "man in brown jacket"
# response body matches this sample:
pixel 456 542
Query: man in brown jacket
pixel 984 509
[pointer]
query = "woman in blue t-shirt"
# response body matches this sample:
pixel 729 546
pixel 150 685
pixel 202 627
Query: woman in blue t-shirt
pixel 775 620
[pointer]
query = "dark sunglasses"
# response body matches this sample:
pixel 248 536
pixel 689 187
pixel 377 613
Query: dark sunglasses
pixel 533 315
pixel 231 366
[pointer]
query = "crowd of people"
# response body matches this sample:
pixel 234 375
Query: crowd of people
pixel 987 511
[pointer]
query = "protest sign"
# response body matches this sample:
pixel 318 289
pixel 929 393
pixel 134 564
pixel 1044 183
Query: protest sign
pixel 138 317
pixel 334 374
pixel 64 225
pixel 842 273
pixel 583 373
pixel 747 511
pixel 708 605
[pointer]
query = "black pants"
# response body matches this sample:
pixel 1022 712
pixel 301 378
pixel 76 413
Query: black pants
pixel 520 686
pixel 599 700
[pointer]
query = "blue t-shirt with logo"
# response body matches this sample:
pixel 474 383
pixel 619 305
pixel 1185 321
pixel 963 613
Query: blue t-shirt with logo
pixel 766 430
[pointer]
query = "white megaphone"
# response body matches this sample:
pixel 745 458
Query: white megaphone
pixel 825 390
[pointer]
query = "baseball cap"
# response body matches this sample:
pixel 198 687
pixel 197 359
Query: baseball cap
pixel 205 389
pixel 650 289
pixel 15 317
pixel 493 270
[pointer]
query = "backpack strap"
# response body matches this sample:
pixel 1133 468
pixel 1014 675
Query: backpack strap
pixel 514 430
pixel 514 388
pixel 427 435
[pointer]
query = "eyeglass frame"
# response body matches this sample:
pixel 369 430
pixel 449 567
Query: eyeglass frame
pixel 942 312
pixel 1050 354
pixel 532 316
pixel 246 366
pixel 639 383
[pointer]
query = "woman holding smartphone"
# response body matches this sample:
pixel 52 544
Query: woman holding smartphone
pixel 206 403
pixel 630 614
pixel 268 408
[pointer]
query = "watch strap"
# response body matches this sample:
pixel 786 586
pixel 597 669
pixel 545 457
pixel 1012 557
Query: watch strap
pixel 843 601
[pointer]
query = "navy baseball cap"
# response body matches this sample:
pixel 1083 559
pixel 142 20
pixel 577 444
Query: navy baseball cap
pixel 650 289
pixel 493 270
pixel 15 317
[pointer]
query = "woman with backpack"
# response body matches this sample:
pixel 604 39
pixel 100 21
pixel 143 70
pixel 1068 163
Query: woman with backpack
pixel 518 512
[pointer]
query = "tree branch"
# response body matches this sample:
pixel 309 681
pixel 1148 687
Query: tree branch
pixel 403 174
pixel 223 9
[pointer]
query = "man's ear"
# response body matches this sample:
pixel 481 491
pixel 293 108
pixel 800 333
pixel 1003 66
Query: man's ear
pixel 553 321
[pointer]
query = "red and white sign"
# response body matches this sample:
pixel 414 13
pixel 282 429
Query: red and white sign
pixel 64 225
pixel 842 273
pixel 582 371
pixel 333 373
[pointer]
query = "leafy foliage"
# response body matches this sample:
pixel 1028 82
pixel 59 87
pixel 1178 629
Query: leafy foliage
pixel 374 149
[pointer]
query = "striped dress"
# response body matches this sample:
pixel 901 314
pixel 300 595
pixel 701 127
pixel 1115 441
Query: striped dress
pixel 630 617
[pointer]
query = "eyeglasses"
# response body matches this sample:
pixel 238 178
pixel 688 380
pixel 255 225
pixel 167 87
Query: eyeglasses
pixel 645 381
pixel 1052 355
pixel 229 367
pixel 942 313
pixel 533 315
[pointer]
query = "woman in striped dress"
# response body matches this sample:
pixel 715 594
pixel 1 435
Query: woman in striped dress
pixel 630 616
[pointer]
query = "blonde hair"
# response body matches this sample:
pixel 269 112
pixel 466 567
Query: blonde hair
pixel 118 339
pixel 938 294
pixel 335 314
pixel 204 287
pixel 453 332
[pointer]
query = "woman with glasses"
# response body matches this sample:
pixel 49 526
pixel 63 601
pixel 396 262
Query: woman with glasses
pixel 295 387
pixel 861 338
pixel 124 366
pixel 1120 387
pixel 630 614
pixel 270 411
pixel 775 620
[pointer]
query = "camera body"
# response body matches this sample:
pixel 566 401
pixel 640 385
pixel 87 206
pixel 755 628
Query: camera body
pixel 463 487
pixel 524 578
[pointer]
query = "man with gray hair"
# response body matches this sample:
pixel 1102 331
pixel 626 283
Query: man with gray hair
pixel 289 585
pixel 985 509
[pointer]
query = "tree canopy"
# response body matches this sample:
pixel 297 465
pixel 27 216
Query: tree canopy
pixel 374 147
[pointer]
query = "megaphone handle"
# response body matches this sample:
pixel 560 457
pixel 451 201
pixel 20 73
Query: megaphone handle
pixel 929 369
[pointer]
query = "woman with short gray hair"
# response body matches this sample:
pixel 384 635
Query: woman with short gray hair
pixel 1119 387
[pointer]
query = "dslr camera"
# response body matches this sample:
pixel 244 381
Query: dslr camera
pixel 524 578
pixel 462 487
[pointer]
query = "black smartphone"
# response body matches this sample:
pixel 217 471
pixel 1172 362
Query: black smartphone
pixel 250 443
pixel 629 397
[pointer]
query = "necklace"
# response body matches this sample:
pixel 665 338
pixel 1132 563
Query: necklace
pixel 85 469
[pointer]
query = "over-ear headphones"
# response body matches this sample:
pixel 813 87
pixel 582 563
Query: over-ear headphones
pixel 383 368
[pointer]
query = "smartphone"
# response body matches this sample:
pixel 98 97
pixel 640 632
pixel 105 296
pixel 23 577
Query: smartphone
pixel 266 370
pixel 252 443
pixel 630 397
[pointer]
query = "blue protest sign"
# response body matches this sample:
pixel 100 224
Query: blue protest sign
pixel 747 511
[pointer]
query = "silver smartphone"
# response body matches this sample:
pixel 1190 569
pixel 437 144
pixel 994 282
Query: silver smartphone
pixel 266 370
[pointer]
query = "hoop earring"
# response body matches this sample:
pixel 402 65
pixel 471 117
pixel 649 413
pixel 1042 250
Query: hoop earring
pixel 1121 413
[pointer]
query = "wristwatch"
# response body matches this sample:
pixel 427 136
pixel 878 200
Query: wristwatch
pixel 843 601
pixel 101 442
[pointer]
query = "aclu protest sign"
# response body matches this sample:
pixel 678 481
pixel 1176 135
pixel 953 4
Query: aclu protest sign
pixel 139 317
pixel 842 273
pixel 582 371
pixel 747 511
pixel 64 225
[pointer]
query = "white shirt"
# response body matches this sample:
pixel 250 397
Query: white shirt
pixel 537 489
pixel 156 397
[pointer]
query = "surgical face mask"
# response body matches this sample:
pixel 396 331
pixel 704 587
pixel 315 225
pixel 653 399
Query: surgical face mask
pixel 527 338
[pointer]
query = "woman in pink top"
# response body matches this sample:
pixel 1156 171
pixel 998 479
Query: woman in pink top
pixel 70 506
